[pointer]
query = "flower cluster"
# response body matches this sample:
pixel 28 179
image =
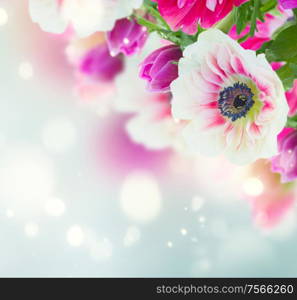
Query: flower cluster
pixel 211 77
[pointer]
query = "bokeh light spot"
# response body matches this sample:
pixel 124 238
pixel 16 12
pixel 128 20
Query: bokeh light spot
pixel 55 207
pixel 132 236
pixel 26 70
pixel 253 186
pixel 75 236
pixel 140 197
pixel 184 231
pixel 31 229
pixel 3 17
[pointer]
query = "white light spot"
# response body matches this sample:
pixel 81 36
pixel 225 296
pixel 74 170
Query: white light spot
pixel 55 207
pixel 140 197
pixel 26 177
pixel 186 208
pixel 9 213
pixel 126 41
pixel 202 219
pixel 253 186
pixel 26 70
pixel 169 244
pixel 184 231
pixel 132 236
pixel 59 135
pixel 75 236
pixel 3 17
pixel 31 229
pixel 197 203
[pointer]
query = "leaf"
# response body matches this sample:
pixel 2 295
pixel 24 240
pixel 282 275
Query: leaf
pixel 287 74
pixel 249 12
pixel 242 15
pixel 150 3
pixel 284 47
pixel 256 14
pixel 268 5
pixel 264 47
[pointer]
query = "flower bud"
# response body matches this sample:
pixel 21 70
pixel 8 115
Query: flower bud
pixel 127 37
pixel 98 64
pixel 160 68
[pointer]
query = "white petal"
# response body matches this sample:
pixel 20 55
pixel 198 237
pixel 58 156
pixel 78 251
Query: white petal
pixel 47 14
pixel 153 134
pixel 207 142
pixel 86 16
pixel 184 103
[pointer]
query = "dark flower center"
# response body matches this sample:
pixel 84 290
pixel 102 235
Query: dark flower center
pixel 236 101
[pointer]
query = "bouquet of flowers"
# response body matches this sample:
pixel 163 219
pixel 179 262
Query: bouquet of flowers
pixel 214 77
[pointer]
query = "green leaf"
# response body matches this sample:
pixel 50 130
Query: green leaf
pixel 268 5
pixel 284 47
pixel 249 12
pixel 264 47
pixel 242 16
pixel 287 74
pixel 255 15
pixel 150 3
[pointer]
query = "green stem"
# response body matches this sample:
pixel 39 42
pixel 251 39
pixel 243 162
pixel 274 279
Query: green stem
pixel 164 34
pixel 226 24
pixel 149 25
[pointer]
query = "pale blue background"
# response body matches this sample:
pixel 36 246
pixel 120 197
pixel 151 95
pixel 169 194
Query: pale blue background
pixel 227 244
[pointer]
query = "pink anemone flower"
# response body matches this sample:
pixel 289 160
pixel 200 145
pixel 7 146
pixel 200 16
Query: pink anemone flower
pixel 187 14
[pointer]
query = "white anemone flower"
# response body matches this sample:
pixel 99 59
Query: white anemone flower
pixel 153 125
pixel 234 102
pixel 85 16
